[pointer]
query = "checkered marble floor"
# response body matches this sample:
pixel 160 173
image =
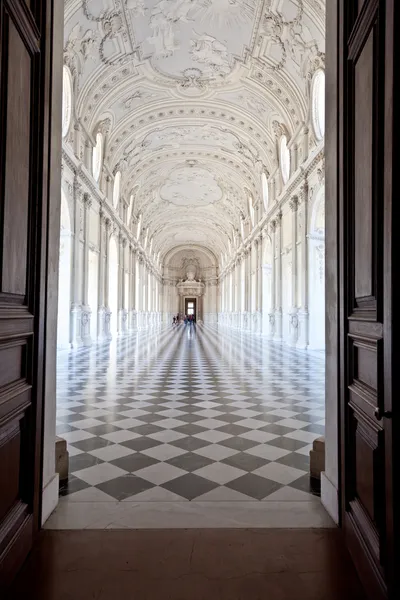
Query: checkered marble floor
pixel 190 413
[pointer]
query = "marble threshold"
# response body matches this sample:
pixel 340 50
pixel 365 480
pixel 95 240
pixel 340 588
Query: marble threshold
pixel 271 513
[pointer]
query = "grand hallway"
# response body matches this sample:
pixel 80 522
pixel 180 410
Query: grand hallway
pixel 190 413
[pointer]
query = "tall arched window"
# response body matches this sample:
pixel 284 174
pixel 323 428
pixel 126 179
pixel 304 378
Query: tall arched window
pixel 265 190
pixel 117 188
pixel 97 156
pixel 284 159
pixel 318 104
pixel 67 101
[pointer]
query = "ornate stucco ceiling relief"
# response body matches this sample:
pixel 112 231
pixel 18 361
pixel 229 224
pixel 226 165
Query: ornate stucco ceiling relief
pixel 192 90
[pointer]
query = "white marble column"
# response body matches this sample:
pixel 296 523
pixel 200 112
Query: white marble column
pixel 107 317
pixel 86 310
pixel 273 282
pixel 122 312
pixel 101 281
pixel 303 314
pixel 260 282
pixel 238 269
pixel 146 294
pixel 278 279
pixel 294 322
pixel 248 289
pixel 132 291
pixel 76 304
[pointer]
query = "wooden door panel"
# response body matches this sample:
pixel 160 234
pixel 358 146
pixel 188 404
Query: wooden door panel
pixel 24 86
pixel 16 176
pixel 363 147
pixel 366 446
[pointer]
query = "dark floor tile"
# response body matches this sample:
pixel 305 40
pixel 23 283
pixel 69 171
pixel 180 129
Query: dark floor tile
pixel 134 462
pixel 238 443
pixel 82 461
pixel 245 461
pixel 298 461
pixel 123 487
pixel 233 429
pixel 287 443
pixel 277 429
pixel 190 461
pixel 74 484
pixel 229 418
pixel 254 486
pixel 142 443
pixel 103 429
pixel 91 444
pixel 190 429
pixel 190 486
pixel 307 484
pixel 314 428
pixel 189 443
pixel 147 429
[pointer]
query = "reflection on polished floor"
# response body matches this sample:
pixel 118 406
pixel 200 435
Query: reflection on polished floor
pixel 189 565
pixel 221 419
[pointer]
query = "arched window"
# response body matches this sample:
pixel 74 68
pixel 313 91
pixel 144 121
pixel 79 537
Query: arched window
pixel 139 226
pixel 97 156
pixel 67 101
pixel 284 159
pixel 117 188
pixel 318 104
pixel 251 209
pixel 265 190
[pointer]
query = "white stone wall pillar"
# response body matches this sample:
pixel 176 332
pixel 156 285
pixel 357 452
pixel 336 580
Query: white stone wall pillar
pixel 303 314
pixel 260 283
pixel 247 289
pixel 278 278
pixel 122 312
pixel 132 291
pixel 140 295
pixel 76 304
pixel 86 310
pixel 107 317
pixel 294 322
pixel 273 281
pixel 101 312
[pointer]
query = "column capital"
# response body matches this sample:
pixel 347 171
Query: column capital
pixel 304 192
pixel 294 203
pixel 87 202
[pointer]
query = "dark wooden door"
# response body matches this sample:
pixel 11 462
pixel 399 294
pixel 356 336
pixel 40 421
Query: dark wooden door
pixel 367 280
pixel 25 99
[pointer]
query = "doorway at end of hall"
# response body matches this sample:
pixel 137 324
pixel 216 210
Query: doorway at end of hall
pixel 190 307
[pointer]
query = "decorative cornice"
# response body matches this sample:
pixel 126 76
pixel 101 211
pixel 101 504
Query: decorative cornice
pixel 82 180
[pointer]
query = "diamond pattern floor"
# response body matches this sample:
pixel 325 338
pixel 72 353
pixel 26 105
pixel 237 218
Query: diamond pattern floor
pixel 191 413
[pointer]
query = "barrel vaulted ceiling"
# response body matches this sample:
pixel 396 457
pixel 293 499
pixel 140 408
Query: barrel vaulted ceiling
pixel 194 93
